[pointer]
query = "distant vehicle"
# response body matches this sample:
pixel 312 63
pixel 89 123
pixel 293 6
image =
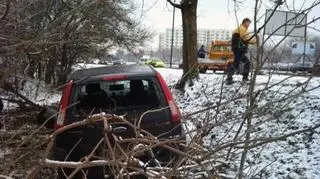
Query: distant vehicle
pixel 157 63
pixel 219 57
pixel 119 89
pixel 145 57
pixel 85 65
pixel 105 62
pixel 284 66
pixel 131 63
pixel 316 69
pixel 304 67
pixel 119 62
pixel 108 60
pixel 292 67
pixel 96 61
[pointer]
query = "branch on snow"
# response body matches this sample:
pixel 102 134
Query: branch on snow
pixel 5 177
pixel 94 163
pixel 261 141
pixel 284 137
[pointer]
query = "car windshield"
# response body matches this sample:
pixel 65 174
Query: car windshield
pixel 116 97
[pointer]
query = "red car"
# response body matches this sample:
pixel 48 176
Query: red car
pixel 118 89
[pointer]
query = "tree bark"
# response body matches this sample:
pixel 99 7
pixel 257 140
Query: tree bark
pixel 189 24
pixel 62 76
pixel 50 69
pixel 39 69
pixel 32 66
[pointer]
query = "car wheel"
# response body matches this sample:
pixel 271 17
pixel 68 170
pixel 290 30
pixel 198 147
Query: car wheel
pixel 48 114
pixel 202 70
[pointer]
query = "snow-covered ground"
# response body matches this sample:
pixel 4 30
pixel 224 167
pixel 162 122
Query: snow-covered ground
pixel 281 110
pixel 40 93
pixel 35 91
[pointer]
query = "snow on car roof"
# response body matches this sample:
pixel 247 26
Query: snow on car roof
pixel 113 69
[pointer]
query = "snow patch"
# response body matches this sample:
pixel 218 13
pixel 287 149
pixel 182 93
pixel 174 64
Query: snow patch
pixel 285 106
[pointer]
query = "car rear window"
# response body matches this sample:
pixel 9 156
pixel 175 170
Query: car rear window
pixel 116 97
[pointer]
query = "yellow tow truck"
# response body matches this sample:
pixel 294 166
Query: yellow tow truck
pixel 219 57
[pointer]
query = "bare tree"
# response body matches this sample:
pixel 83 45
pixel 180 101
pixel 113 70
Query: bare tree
pixel 53 35
pixel 42 40
pixel 233 123
pixel 189 24
pixel 254 93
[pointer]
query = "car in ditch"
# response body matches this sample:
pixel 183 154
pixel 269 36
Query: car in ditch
pixel 128 90
pixel 306 66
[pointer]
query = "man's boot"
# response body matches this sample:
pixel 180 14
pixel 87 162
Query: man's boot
pixel 229 80
pixel 245 78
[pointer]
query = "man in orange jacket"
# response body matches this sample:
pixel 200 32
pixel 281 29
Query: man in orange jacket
pixel 239 43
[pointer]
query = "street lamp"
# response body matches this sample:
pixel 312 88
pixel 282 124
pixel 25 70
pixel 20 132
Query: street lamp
pixel 172 35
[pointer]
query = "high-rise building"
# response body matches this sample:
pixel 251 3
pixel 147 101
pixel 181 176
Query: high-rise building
pixel 162 41
pixel 205 36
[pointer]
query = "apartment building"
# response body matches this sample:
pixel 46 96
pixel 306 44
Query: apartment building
pixel 205 36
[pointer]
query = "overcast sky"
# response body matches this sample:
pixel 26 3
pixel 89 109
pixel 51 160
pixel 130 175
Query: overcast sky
pixel 157 14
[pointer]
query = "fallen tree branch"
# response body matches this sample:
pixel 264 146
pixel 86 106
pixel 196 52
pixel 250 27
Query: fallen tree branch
pixel 262 141
pixel 4 15
pixel 5 177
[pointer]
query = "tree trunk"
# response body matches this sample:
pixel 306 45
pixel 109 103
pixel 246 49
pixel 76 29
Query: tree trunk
pixel 50 68
pixel 62 76
pixel 39 69
pixel 32 66
pixel 189 24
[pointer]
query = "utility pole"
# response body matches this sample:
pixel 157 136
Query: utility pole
pixel 304 45
pixel 172 35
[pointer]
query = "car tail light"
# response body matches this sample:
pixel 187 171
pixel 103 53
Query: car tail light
pixel 175 111
pixel 115 77
pixel 64 103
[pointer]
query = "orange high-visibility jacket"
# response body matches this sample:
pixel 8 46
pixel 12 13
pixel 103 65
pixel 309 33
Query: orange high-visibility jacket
pixel 244 35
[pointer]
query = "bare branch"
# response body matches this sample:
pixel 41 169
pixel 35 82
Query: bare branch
pixel 179 6
pixel 6 11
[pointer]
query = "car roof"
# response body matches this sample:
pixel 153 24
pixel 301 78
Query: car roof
pixel 130 70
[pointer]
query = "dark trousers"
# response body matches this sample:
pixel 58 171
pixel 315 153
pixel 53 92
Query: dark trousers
pixel 239 57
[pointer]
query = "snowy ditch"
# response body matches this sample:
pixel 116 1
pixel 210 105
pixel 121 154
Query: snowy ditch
pixel 277 114
pixel 281 109
pixel 35 91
